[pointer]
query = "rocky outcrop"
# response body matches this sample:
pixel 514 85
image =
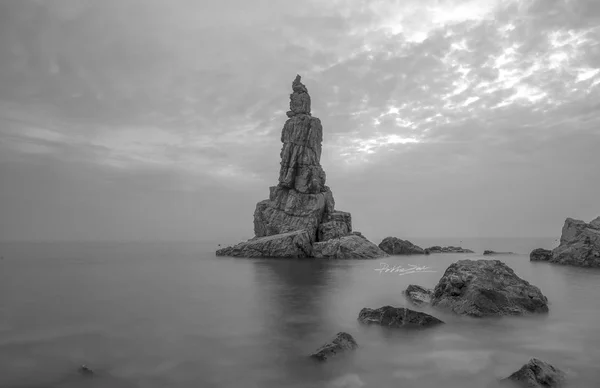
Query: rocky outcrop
pixel 286 245
pixel 449 249
pixel 397 317
pixel 540 254
pixel 396 246
pixel 301 206
pixel 417 295
pixel 486 253
pixel 579 244
pixel 536 373
pixel 347 247
pixel 342 343
pixel 481 288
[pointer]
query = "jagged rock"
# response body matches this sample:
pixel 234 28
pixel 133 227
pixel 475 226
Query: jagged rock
pixel 486 253
pixel 85 370
pixel 482 288
pixel 540 254
pixel 289 210
pixel 579 244
pixel 418 295
pixel 449 249
pixel 396 246
pixel 338 224
pixel 286 245
pixel 347 247
pixel 536 374
pixel 301 202
pixel 397 317
pixel 343 342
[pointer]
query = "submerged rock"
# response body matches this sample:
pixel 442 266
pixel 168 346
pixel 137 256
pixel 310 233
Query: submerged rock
pixel 286 245
pixel 85 370
pixel 348 247
pixel 343 342
pixel 579 244
pixel 481 288
pixel 417 295
pixel 396 246
pixel 536 373
pixel 397 317
pixel 540 254
pixel 301 202
pixel 448 249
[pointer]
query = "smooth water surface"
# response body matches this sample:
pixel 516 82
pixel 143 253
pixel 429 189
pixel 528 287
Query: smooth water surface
pixel 174 315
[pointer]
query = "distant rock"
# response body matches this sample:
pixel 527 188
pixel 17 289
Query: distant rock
pixel 397 317
pixel 343 342
pixel 485 253
pixel 579 244
pixel 85 370
pixel 449 249
pixel 286 245
pixel 418 295
pixel 347 247
pixel 540 254
pixel 536 374
pixel 396 246
pixel 481 288
pixel 301 203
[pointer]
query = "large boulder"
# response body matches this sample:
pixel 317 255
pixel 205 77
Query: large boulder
pixel 286 245
pixel 536 374
pixel 579 244
pixel 342 343
pixel 540 254
pixel 397 317
pixel 481 288
pixel 352 246
pixel 417 295
pixel 396 246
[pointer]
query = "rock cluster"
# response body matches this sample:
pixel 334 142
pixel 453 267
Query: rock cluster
pixel 579 245
pixel 299 218
pixel 449 249
pixel 396 246
pixel 481 288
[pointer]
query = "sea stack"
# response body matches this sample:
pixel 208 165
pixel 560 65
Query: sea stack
pixel 299 218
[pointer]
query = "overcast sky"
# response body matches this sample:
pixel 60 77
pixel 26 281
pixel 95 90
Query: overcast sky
pixel 161 119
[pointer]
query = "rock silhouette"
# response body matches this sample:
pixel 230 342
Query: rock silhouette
pixel 299 219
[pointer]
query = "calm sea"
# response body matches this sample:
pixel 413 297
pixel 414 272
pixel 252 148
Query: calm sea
pixel 174 315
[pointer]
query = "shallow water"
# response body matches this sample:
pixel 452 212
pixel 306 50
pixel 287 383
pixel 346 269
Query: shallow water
pixel 174 315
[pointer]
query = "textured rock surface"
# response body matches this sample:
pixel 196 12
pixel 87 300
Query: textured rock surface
pixel 396 246
pixel 348 247
pixel 536 373
pixel 397 317
pixel 301 202
pixel 343 342
pixel 482 288
pixel 540 254
pixel 291 245
pixel 450 249
pixel 579 244
pixel 337 224
pixel 417 295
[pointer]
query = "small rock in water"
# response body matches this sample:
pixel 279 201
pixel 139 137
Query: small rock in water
pixel 85 370
pixel 342 342
pixel 397 317
pixel 536 374
pixel 540 254
pixel 418 295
